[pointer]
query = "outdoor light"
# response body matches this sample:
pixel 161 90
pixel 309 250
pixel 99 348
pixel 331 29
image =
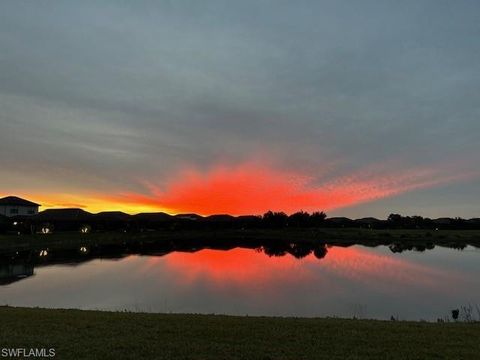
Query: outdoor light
pixel 85 229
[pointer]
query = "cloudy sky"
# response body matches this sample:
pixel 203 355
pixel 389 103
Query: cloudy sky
pixel 360 108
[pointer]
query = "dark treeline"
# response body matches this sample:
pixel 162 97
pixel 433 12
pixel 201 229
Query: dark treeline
pixel 52 220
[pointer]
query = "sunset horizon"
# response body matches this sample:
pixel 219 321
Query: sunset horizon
pixel 249 179
pixel 254 188
pixel 177 109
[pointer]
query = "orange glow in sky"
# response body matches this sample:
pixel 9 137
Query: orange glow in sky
pixel 89 202
pixel 250 188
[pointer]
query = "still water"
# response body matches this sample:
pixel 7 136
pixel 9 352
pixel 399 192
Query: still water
pixel 349 281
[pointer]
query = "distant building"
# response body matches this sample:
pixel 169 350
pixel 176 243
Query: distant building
pixel 339 222
pixel 369 222
pixel 12 206
pixel 71 219
pixel 443 221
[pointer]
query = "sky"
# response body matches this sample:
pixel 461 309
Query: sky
pixel 358 108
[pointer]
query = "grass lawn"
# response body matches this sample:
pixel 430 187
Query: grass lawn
pixel 79 334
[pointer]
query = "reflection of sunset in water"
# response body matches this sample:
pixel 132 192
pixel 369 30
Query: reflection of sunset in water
pixel 244 267
pixel 243 281
pixel 238 265
pixel 361 264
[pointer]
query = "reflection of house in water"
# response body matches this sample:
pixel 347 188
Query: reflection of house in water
pixel 10 273
pixel 19 264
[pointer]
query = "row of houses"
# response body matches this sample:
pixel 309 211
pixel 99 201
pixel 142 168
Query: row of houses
pixel 24 215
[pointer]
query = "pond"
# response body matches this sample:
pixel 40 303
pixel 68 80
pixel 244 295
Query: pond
pixel 355 281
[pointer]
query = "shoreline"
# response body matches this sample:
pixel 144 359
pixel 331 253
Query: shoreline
pixel 138 311
pixel 330 236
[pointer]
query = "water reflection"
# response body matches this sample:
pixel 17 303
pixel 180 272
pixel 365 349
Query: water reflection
pixel 84 253
pixel 288 279
pixel 12 272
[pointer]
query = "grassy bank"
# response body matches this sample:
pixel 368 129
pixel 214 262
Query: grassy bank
pixel 322 235
pixel 79 334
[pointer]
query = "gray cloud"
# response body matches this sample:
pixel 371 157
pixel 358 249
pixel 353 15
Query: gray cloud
pixel 124 90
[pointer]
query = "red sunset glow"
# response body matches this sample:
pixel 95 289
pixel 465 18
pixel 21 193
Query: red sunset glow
pixel 253 189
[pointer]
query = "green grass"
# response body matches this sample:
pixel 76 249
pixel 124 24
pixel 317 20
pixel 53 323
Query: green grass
pixel 77 334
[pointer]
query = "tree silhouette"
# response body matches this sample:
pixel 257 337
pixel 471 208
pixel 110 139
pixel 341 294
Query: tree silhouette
pixel 318 218
pixel 299 251
pixel 275 249
pixel 320 251
pixel 275 220
pixel 299 219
